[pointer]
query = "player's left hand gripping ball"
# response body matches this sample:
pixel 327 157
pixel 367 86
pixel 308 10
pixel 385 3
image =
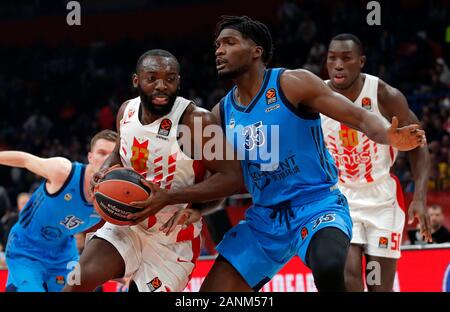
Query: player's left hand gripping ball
pixel 158 199
pixel 405 138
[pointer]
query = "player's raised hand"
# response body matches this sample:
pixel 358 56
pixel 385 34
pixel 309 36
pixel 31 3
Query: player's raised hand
pixel 184 217
pixel 158 199
pixel 405 138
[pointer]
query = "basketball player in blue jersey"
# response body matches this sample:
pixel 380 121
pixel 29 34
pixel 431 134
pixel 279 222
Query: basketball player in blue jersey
pixel 41 244
pixel 297 207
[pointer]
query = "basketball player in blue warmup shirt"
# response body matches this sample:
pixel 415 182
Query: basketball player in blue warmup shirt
pixel 297 207
pixel 41 244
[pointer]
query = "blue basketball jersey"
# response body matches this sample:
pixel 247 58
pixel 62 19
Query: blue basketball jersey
pixel 48 222
pixel 282 149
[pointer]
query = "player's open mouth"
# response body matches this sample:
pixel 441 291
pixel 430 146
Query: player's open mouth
pixel 160 100
pixel 339 78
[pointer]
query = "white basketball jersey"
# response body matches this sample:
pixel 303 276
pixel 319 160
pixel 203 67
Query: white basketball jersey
pixel 153 151
pixel 360 161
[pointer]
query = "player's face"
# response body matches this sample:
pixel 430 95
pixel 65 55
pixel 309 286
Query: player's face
pixel 99 152
pixel 234 54
pixel 158 82
pixel 344 63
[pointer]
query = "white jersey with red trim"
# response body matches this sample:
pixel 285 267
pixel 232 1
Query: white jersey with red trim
pixel 153 151
pixel 360 161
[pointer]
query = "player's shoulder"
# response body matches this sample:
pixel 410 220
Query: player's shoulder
pixel 299 80
pixel 387 93
pixel 194 113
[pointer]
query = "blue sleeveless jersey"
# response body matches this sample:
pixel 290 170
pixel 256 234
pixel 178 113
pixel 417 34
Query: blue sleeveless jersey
pixel 48 222
pixel 282 149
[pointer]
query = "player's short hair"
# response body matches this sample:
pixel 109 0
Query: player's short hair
pixel 249 28
pixel 107 135
pixel 155 52
pixel 351 37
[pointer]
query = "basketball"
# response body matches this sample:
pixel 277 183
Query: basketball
pixel 114 193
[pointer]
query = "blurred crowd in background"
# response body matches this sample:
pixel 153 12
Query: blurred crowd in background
pixel 54 99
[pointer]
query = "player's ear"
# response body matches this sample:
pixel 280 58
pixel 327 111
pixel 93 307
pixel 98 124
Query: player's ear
pixel 135 81
pixel 258 52
pixel 89 157
pixel 362 61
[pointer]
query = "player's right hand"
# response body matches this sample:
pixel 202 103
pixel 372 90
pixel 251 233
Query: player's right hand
pixel 405 138
pixel 97 177
pixel 184 217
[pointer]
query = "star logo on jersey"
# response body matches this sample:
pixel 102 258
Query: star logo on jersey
pixel 164 127
pixel 67 197
pixel 366 103
pixel 271 96
pixel 71 222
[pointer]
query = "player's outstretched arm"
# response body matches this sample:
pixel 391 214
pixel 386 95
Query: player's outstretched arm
pixel 302 87
pixel 393 103
pixel 55 170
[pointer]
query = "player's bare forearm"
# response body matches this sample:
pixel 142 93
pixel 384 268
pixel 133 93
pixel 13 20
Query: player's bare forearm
pixel 217 186
pixel 52 169
pixel 15 158
pixel 419 160
pixel 208 207
pixel 373 126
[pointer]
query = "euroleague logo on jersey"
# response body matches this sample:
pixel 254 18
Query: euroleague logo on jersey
pixel 164 127
pixel 271 96
pixel 366 103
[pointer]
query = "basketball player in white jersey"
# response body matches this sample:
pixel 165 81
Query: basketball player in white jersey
pixel 374 195
pixel 149 143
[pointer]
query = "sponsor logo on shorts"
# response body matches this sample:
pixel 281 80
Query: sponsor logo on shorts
pixel 60 280
pixel 383 242
pixel 182 260
pixel 304 232
pixel 164 127
pixel 154 284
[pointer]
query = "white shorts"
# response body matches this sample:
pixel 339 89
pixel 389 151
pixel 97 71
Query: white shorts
pixel 153 266
pixel 378 216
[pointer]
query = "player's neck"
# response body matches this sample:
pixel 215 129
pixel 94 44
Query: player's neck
pixel 146 117
pixel 248 84
pixel 353 92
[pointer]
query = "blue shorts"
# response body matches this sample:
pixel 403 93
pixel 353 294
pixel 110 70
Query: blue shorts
pixel 262 244
pixel 29 271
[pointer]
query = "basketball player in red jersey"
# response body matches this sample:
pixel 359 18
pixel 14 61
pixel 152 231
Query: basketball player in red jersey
pixel 149 142
pixel 374 195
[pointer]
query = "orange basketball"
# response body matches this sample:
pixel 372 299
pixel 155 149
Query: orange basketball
pixel 114 193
